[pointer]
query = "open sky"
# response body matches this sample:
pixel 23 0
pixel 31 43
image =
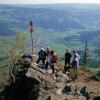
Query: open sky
pixel 46 1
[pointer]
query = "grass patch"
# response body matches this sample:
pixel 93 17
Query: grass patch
pixel 4 80
pixel 88 69
pixel 94 71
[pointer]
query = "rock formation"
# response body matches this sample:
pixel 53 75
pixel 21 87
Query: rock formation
pixel 39 84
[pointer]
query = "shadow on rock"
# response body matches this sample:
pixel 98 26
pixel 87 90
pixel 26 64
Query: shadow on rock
pixel 22 89
pixel 97 98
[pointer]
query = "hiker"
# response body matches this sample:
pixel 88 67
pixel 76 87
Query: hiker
pixel 42 56
pixel 48 51
pixel 52 61
pixel 75 63
pixel 76 58
pixel 67 60
pixel 48 54
pixel 55 57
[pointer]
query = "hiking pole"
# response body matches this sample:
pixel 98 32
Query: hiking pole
pixel 31 31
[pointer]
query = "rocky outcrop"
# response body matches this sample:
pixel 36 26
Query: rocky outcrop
pixel 38 84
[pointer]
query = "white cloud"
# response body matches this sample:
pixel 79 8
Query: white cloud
pixel 47 1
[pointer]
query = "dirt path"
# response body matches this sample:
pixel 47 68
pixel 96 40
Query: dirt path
pixel 87 78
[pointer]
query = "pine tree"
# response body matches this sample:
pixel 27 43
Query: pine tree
pixel 85 56
pixel 97 46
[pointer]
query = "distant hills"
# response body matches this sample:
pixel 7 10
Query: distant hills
pixel 62 25
pixel 56 17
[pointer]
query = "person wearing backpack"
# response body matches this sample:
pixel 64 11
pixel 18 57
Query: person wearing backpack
pixel 55 55
pixel 52 61
pixel 67 59
pixel 42 56
pixel 48 57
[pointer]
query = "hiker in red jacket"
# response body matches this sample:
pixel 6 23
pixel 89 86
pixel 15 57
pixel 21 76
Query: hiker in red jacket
pixel 53 60
pixel 55 55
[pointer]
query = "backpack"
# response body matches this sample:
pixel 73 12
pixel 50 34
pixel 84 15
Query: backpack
pixel 55 57
pixel 42 55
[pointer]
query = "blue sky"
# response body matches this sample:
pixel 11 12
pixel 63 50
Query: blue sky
pixel 46 1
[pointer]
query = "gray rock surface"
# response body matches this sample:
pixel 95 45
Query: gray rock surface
pixel 42 85
pixel 55 87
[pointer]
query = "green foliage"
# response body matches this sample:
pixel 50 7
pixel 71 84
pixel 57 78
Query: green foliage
pixel 94 71
pixel 4 80
pixel 86 55
pixel 13 49
pixel 67 27
pixel 98 75
pixel 97 47
pixel 85 69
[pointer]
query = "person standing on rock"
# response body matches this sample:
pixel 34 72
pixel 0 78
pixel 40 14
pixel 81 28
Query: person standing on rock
pixel 75 62
pixel 48 53
pixel 52 61
pixel 76 58
pixel 67 59
pixel 42 56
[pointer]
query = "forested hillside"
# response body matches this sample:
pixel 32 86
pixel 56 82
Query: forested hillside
pixel 63 26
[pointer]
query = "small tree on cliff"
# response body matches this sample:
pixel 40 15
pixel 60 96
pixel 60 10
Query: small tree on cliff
pixel 97 50
pixel 86 55
pixel 12 49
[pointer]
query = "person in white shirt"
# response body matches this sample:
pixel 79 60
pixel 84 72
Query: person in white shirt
pixel 75 63
pixel 76 58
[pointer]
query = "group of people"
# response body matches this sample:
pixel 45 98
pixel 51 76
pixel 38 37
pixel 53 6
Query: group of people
pixel 50 58
pixel 75 61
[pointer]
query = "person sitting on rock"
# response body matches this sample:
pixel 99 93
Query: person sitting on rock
pixel 42 56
